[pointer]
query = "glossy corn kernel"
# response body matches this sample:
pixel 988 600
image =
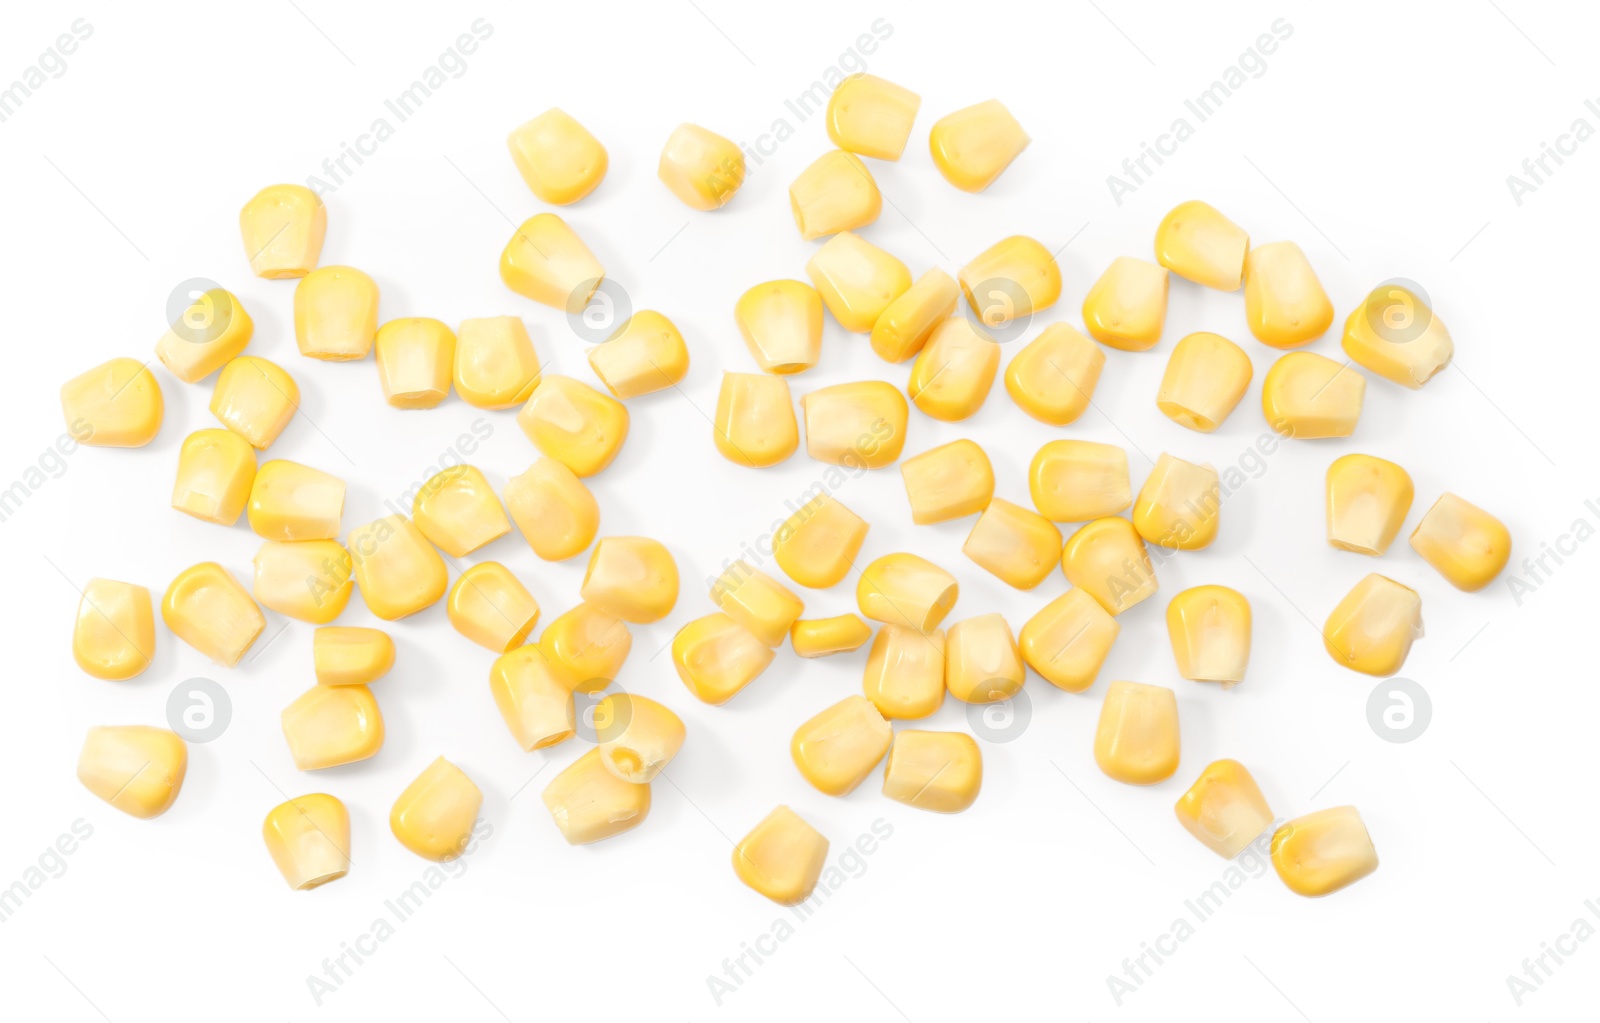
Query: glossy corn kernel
pixel 871 116
pixel 716 657
pixel 589 803
pixel 982 661
pixel 1012 279
pixel 1054 377
pixel 1395 335
pixel 1284 303
pixel 457 511
pixel 904 677
pixel 557 157
pixel 818 544
pixel 633 578
pixel 1464 543
pixel 1368 500
pixel 906 324
pixel 1306 396
pixel 1016 544
pixel 135 768
pixel 533 698
pixel 435 814
pixel 114 637
pixel 1206 377
pixel 255 399
pixel 638 736
pixel 1107 559
pixel 857 280
pixel 283 227
pixel 903 589
pixel 974 145
pixel 1178 505
pixel 309 580
pixel 586 647
pixel 211 331
pixel 838 748
pixel 1324 851
pixel 1079 480
pixel 495 366
pixel 1372 628
pixel 836 193
pixel 755 424
pixel 331 725
pixel 489 606
pixel 1210 631
pixel 308 838
pixel 397 569
pixel 1127 307
pixel 1224 809
pixel 416 360
pixel 953 374
pixel 216 470
pixel 208 609
pixel 575 424
pixel 938 771
pixel 950 481
pixel 1136 740
pixel 556 513
pixel 350 656
pixel 781 322
pixel 336 313
pixel 290 501
pixel 115 405
pixel 1068 640
pixel 1198 243
pixel 757 601
pixel 782 857
pixel 819 637
pixel 859 426
pixel 700 167
pixel 645 355
pixel 547 262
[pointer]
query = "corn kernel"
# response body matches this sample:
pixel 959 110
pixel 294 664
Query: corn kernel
pixel 1372 628
pixel 975 145
pixel 700 167
pixel 782 857
pixel 457 511
pixel 435 815
pixel 818 544
pixel 950 481
pixel 397 569
pixel 1368 499
pixel 1107 559
pixel 904 677
pixel 1198 243
pixel 1015 544
pixel 115 405
pixel 871 116
pixel 953 374
pixel 1466 544
pixel 135 768
pixel 638 736
pixel 589 803
pixel 557 157
pixel 1136 741
pixel 1224 809
pixel 533 698
pixel 836 193
pixel 216 470
pixel 205 336
pixel 547 262
pixel 416 359
pixel 819 637
pixel 982 662
pixel 575 424
pixel 586 647
pixel 208 609
pixel 1178 505
pixel 1127 307
pixel 1210 631
pixel 489 606
pixel 645 355
pixel 781 322
pixel 255 399
pixel 308 839
pixel 1054 377
pixel 903 589
pixel 309 580
pixel 1079 480
pixel 494 365
pixel 838 748
pixel 938 771
pixel 114 637
pixel 1395 335
pixel 755 424
pixel 1306 396
pixel 350 656
pixel 556 513
pixel 859 425
pixel 336 313
pixel 290 501
pixel 283 227
pixel 906 324
pixel 1206 377
pixel 1324 851
pixel 1283 301
pixel 857 280
pixel 757 601
pixel 1068 640
pixel 331 725
pixel 716 657
pixel 633 578
pixel 1014 278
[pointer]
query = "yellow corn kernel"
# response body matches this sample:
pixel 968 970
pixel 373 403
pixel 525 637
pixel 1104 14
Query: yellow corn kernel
pixel 331 725
pixel 1395 335
pixel 308 839
pixel 871 116
pixel 782 857
pixel 1306 396
pixel 589 803
pixel 950 481
pixel 857 280
pixel 208 609
pixel 1205 378
pixel 716 657
pixel 205 336
pixel 1368 499
pixel 336 313
pixel 557 157
pixel 495 366
pixel 1136 740
pixel 1224 809
pixel 781 322
pixel 645 355
pixel 905 325
pixel 1198 243
pixel 216 470
pixel 309 580
pixel 1464 543
pixel 416 359
pixel 938 771
pixel 1017 545
pixel 575 424
pixel 1107 559
pixel 1068 641
pixel 397 569
pixel 1178 505
pixel 974 145
pixel 547 262
pixel 818 544
pixel 489 606
pixel 283 227
pixel 1372 628
pixel 633 578
pixel 135 768
pixel 903 589
pixel 1324 851
pixel 904 677
pixel 1079 480
pixel 1127 307
pixel 350 656
pixel 836 193
pixel 1284 303
pixel 556 513
pixel 700 167
pixel 982 662
pixel 859 425
pixel 290 501
pixel 838 748
pixel 1054 377
pixel 586 647
pixel 115 405
pixel 435 815
pixel 1013 278
pixel 757 601
pixel 114 637
pixel 819 637
pixel 638 736
pixel 1210 631
pixel 457 511
pixel 255 399
pixel 533 698
pixel 953 374
pixel 755 424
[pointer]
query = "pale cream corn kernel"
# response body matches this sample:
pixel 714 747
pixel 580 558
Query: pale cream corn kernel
pixel 556 513
pixel 586 647
pixel 1284 303
pixel 904 677
pixel 135 768
pixel 1107 559
pixel 327 726
pixel 1198 243
pixel 975 145
pixel 1127 307
pixel 905 325
pixel 533 698
pixel 871 116
pixel 938 771
pixel 1322 852
pixel 397 569
pixel 645 355
pixel 1307 397
pixel 457 511
pixel 255 399
pixel 557 157
pixel 350 656
pixel 700 167
pixel 818 544
pixel 757 601
pixel 1014 278
pixel 782 857
pixel 982 663
pixel 948 482
pixel 1017 545
pixel 308 838
pixel 838 748
pixel 114 636
pixel 1068 641
pixel 820 637
pixel 575 424
pixel 1136 741
pixel 547 262
pixel 858 425
pixel 208 609
pixel 755 424
pixel 638 736
pixel 1224 809
pixel 1079 480
pixel 211 331
pixel 115 405
pixel 590 804
pixel 436 813
pixel 1395 335
pixel 1464 543
pixel 903 589
pixel 416 360
pixel 633 578
pixel 1210 631
pixel 290 501
pixel 836 193
pixel 1371 630
pixel 494 365
pixel 953 374
pixel 283 227
pixel 309 580
pixel 781 323
pixel 1368 500
pixel 216 471
pixel 336 313
pixel 1206 377
pixel 857 280
pixel 716 657
pixel 1179 505
pixel 1053 378
pixel 489 606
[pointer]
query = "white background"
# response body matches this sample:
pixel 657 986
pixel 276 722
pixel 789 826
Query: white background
pixel 1379 138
